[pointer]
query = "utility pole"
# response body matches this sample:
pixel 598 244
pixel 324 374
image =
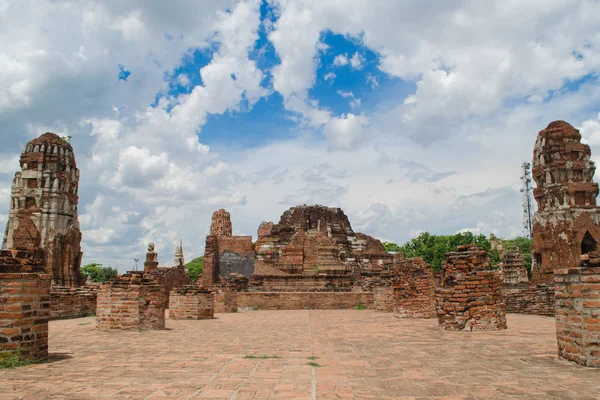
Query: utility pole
pixel 526 198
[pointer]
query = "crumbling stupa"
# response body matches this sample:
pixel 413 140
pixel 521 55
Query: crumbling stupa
pixel 43 208
pixel 567 222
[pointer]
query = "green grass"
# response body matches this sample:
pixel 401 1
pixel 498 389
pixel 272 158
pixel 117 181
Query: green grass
pixel 360 306
pixel 260 357
pixel 12 359
pixel 255 308
pixel 313 358
pixel 314 364
pixel 84 323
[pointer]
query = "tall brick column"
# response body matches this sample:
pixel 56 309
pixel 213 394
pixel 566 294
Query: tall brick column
pixel 24 303
pixel 578 311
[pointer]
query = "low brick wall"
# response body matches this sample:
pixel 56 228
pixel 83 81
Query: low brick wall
pixel 226 302
pixel 414 289
pixel 383 299
pixel 24 303
pixel 66 302
pixel 534 299
pixel 303 300
pixel 301 283
pixel 191 302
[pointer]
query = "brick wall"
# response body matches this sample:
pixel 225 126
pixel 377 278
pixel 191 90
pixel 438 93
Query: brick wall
pixel 24 303
pixel 578 311
pixel 534 299
pixel 130 302
pixel 470 297
pixel 68 302
pixel 303 300
pixel 225 301
pixel 383 299
pixel 191 302
pixel 302 283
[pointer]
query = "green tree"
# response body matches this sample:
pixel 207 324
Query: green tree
pixel 391 246
pixel 98 273
pixel 194 267
pixel 433 248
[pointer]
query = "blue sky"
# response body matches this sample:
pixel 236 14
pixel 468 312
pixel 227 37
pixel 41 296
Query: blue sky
pixel 410 117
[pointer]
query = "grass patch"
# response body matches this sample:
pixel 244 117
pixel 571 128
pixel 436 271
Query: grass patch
pixel 313 358
pixel 314 364
pixel 12 359
pixel 360 306
pixel 255 308
pixel 84 323
pixel 260 357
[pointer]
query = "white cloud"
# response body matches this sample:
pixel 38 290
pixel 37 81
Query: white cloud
pixel 329 76
pixel 346 131
pixel 340 60
pixel 357 61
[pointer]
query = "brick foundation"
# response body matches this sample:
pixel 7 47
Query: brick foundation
pixel 225 302
pixel 534 299
pixel 24 303
pixel 414 289
pixel 191 302
pixel 67 302
pixel 303 300
pixel 470 298
pixel 131 302
pixel 578 311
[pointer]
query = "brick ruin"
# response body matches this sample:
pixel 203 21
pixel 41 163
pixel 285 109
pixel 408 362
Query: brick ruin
pixel 117 308
pixel 43 208
pixel 413 289
pixel 24 303
pixel 132 301
pixel 578 311
pixel 71 302
pixel 566 224
pixel 312 248
pixel 191 302
pixel 513 268
pixel 470 297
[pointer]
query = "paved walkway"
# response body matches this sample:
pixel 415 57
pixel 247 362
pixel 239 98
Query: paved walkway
pixel 362 354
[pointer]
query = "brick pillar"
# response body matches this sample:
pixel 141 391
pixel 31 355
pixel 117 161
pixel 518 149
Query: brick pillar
pixel 414 289
pixel 209 262
pixel 191 302
pixel 578 311
pixel 130 302
pixel 470 298
pixel 24 303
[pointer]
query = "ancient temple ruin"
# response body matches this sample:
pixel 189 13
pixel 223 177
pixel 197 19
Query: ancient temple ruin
pixel 566 224
pixel 43 208
pixel 312 248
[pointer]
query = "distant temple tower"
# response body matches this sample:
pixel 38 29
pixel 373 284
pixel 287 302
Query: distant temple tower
pixel 221 223
pixel 43 208
pixel 179 259
pixel 567 222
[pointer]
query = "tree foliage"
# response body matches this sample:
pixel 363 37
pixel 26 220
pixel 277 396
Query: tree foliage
pixel 433 248
pixel 194 267
pixel 98 273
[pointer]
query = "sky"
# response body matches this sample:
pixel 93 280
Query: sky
pixel 410 116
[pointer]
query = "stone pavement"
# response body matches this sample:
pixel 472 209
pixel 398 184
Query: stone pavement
pixel 362 354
